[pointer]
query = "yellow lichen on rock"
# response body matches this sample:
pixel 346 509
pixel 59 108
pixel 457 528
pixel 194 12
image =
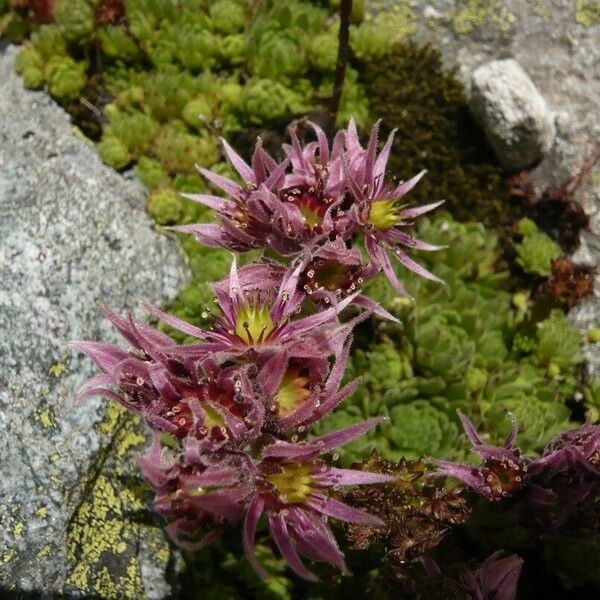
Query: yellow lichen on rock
pixel 57 369
pixel 587 12
pixel 18 530
pixel 103 539
pixel 109 424
pixel 471 14
pixel 44 552
pixel 398 21
pixel 46 418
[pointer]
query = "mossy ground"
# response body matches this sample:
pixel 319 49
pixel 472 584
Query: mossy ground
pixel 411 92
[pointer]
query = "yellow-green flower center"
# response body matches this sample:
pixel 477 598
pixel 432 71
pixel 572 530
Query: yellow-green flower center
pixel 311 217
pixel 383 214
pixel 253 323
pixel 293 483
pixel 292 392
pixel 212 418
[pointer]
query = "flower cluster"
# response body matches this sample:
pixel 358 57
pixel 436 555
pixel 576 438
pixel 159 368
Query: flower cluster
pixel 315 212
pixel 231 411
pixel 549 490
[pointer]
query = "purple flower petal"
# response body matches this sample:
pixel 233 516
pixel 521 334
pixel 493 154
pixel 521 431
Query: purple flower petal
pixel 333 400
pixel 179 324
pixel 381 259
pixel 286 546
pixel 339 510
pixel 411 242
pixel 383 157
pixel 323 143
pixel 228 186
pixel 276 174
pixel 238 163
pixel 282 449
pixel 468 474
pixel 371 153
pixel 207 234
pixel 374 307
pixel 106 356
pixel 105 393
pixel 215 476
pixel 354 477
pixel 214 202
pixel 469 429
pixel 255 510
pixel 415 267
pixel 417 211
pixel 328 442
pixel 314 538
pixel 404 188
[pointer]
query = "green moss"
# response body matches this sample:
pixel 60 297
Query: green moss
pixel 28 57
pixel 30 65
pixel 75 18
pixel 526 227
pixel 227 16
pixel 65 77
pixel 135 129
pixel 323 50
pixel 33 78
pixel 178 150
pixel 197 113
pixel 411 91
pixel 113 152
pixel 265 101
pixel 558 342
pixel 165 206
pixel 118 44
pixel 49 42
pixel 232 49
pixel 151 172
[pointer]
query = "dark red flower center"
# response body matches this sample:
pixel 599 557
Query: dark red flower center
pixel 311 202
pixel 180 415
pixel 332 276
pixel 502 477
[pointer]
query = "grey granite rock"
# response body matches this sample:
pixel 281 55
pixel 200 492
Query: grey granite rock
pixel 73 234
pixel 514 115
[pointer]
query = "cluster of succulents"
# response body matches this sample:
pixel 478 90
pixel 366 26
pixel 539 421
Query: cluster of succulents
pixel 536 251
pixel 198 67
pixel 467 345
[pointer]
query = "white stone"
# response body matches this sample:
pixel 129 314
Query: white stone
pixel 515 117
